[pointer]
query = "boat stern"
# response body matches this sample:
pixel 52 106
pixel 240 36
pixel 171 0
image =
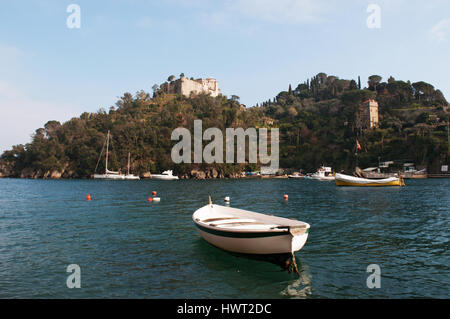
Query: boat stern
pixel 299 237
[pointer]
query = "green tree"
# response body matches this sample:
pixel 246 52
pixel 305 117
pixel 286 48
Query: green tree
pixel 373 82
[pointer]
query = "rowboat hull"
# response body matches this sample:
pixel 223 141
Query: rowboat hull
pixel 346 180
pixel 257 245
pixel 260 240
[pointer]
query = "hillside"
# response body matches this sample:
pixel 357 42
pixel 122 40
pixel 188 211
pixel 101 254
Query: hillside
pixel 317 120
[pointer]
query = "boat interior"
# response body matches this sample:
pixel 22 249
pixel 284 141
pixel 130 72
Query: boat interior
pixel 236 223
pixel 235 219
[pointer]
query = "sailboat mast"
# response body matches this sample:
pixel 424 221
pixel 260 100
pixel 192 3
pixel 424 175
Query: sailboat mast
pixel 107 148
pixel 128 163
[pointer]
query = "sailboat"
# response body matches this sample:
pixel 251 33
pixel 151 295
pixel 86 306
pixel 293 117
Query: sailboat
pixel 130 176
pixel 112 175
pixel 347 180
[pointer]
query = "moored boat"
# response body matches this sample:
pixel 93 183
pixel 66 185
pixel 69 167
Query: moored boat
pixel 130 176
pixel 165 176
pixel 113 175
pixel 347 180
pixel 296 175
pixel 108 175
pixel 241 231
pixel 324 173
pixel 410 171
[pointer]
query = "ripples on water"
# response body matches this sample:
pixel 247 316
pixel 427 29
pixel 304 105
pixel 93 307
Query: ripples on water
pixel 129 248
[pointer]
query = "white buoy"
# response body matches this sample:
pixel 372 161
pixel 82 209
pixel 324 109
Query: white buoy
pixel 156 199
pixel 227 199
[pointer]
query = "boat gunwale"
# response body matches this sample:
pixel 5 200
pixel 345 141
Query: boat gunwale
pixel 240 233
pixel 284 230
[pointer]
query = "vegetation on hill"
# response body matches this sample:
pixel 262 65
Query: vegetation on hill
pixel 317 121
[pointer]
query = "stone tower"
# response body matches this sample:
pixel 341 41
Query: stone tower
pixel 369 114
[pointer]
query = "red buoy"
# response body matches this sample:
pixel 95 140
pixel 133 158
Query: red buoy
pixel 88 197
pixel 154 193
pixel 150 199
pixel 286 197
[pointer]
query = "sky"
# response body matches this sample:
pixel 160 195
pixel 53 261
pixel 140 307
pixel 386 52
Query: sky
pixel 254 48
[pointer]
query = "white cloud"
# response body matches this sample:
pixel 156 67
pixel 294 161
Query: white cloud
pixel 438 32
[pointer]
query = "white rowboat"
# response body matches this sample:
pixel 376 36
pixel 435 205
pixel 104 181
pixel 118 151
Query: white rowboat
pixel 243 231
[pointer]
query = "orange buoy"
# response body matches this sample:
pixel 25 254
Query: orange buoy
pixel 286 197
pixel 154 193
pixel 88 197
pixel 150 199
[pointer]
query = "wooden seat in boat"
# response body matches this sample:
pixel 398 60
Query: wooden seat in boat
pixel 216 219
pixel 237 224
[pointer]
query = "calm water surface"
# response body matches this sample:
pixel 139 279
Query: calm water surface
pixel 129 248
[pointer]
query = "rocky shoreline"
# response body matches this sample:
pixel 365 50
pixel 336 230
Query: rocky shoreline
pixel 199 174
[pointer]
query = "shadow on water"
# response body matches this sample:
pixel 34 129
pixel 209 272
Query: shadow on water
pixel 258 268
pixel 283 261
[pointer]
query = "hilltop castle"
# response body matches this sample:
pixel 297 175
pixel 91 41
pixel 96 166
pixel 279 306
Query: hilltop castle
pixel 186 86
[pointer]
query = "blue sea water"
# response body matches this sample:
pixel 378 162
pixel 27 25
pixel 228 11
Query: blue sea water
pixel 127 247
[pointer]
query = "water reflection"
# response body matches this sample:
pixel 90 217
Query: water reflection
pixel 206 250
pixel 301 287
pixel 257 269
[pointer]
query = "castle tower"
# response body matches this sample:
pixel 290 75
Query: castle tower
pixel 370 114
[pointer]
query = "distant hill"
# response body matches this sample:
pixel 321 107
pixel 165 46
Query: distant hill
pixel 316 118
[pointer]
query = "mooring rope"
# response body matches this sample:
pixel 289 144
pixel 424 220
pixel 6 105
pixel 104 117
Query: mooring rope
pixel 293 265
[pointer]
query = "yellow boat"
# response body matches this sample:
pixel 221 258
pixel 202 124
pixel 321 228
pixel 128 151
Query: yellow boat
pixel 347 180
